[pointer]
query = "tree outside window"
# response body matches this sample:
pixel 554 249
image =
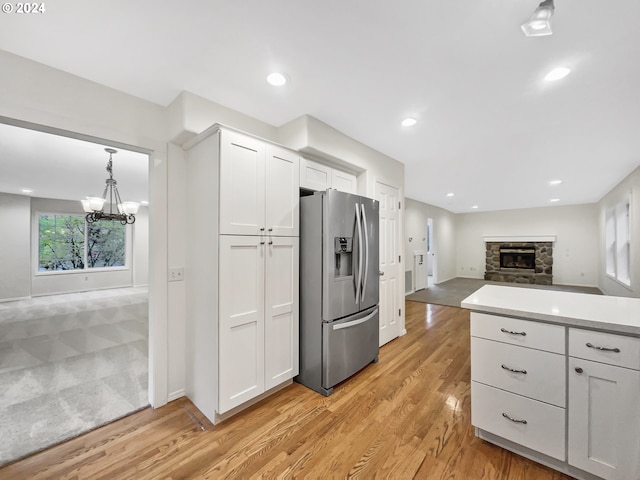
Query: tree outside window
pixel 67 242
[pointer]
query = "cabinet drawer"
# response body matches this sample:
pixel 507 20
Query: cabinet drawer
pixel 607 348
pixel 526 333
pixel 540 375
pixel 544 430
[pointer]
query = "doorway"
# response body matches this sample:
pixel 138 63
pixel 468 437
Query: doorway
pixel 74 337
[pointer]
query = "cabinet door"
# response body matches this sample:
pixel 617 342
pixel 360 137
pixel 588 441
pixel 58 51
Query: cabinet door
pixel 282 191
pixel 343 181
pixel 281 316
pixel 241 320
pixel 604 419
pixel 242 164
pixel 314 176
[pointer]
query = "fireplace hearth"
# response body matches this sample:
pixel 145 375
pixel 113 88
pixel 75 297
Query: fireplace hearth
pixel 519 262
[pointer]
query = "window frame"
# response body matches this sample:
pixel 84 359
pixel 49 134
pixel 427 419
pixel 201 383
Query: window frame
pixel 618 239
pixel 128 246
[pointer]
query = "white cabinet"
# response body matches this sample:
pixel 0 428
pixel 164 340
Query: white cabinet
pixel 604 404
pixel 282 192
pixel 259 187
pixel 533 424
pixel 241 320
pixel 258 320
pixel 518 381
pixel 343 181
pixel 525 382
pixel 281 310
pixel 242 269
pixel 317 176
pixel 523 371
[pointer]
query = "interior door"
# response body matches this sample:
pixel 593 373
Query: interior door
pixel 390 314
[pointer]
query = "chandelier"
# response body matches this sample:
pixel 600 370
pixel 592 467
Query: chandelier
pixel 94 206
pixel 540 22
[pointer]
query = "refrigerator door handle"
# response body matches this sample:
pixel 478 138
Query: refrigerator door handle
pixel 359 281
pixel 366 252
pixel 355 322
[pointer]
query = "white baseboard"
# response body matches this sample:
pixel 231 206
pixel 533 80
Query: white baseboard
pixel 3 300
pixel 176 395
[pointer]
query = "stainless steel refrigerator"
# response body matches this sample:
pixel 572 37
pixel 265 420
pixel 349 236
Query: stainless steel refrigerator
pixel 339 287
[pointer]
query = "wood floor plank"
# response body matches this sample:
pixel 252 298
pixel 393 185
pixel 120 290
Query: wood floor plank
pixel 407 416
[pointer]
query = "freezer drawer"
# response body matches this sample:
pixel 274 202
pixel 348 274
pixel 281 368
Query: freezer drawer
pixel 348 345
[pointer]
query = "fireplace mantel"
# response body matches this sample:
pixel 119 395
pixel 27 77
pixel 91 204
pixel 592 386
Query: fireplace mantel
pixel 520 238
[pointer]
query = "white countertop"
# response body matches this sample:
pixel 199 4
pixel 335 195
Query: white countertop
pixel 614 314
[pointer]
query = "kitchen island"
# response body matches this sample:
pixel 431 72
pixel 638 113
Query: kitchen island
pixel 556 378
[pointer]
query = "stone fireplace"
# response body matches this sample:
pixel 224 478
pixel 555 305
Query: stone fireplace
pixel 519 262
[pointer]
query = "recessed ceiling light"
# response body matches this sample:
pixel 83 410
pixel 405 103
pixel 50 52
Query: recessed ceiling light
pixel 555 182
pixel 409 122
pixel 449 194
pixel 557 74
pixel 276 79
pixel 27 190
pixel 474 207
pixel 554 200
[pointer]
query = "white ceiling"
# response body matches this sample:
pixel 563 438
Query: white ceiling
pixel 489 128
pixel 54 166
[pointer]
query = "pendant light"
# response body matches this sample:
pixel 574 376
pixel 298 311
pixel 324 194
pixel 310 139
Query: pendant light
pixel 94 206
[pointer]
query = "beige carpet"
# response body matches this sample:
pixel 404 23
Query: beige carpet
pixel 68 364
pixel 453 291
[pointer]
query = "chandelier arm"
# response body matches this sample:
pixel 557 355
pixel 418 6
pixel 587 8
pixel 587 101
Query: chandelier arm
pixel 117 195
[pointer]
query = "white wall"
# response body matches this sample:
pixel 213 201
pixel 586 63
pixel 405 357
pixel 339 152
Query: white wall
pixel 141 248
pixel 629 187
pixel 177 203
pixel 32 93
pixel 15 246
pixel 444 238
pixel 575 254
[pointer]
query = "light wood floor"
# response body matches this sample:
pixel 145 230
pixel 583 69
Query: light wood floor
pixel 407 416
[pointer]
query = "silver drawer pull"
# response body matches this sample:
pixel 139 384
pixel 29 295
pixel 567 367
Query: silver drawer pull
pixel 504 330
pixel 604 349
pixel 524 422
pixel 513 369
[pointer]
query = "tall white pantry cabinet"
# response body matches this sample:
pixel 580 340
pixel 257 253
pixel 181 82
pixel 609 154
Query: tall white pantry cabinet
pixel 242 269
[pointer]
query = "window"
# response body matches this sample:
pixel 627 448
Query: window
pixel 618 243
pixel 68 242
